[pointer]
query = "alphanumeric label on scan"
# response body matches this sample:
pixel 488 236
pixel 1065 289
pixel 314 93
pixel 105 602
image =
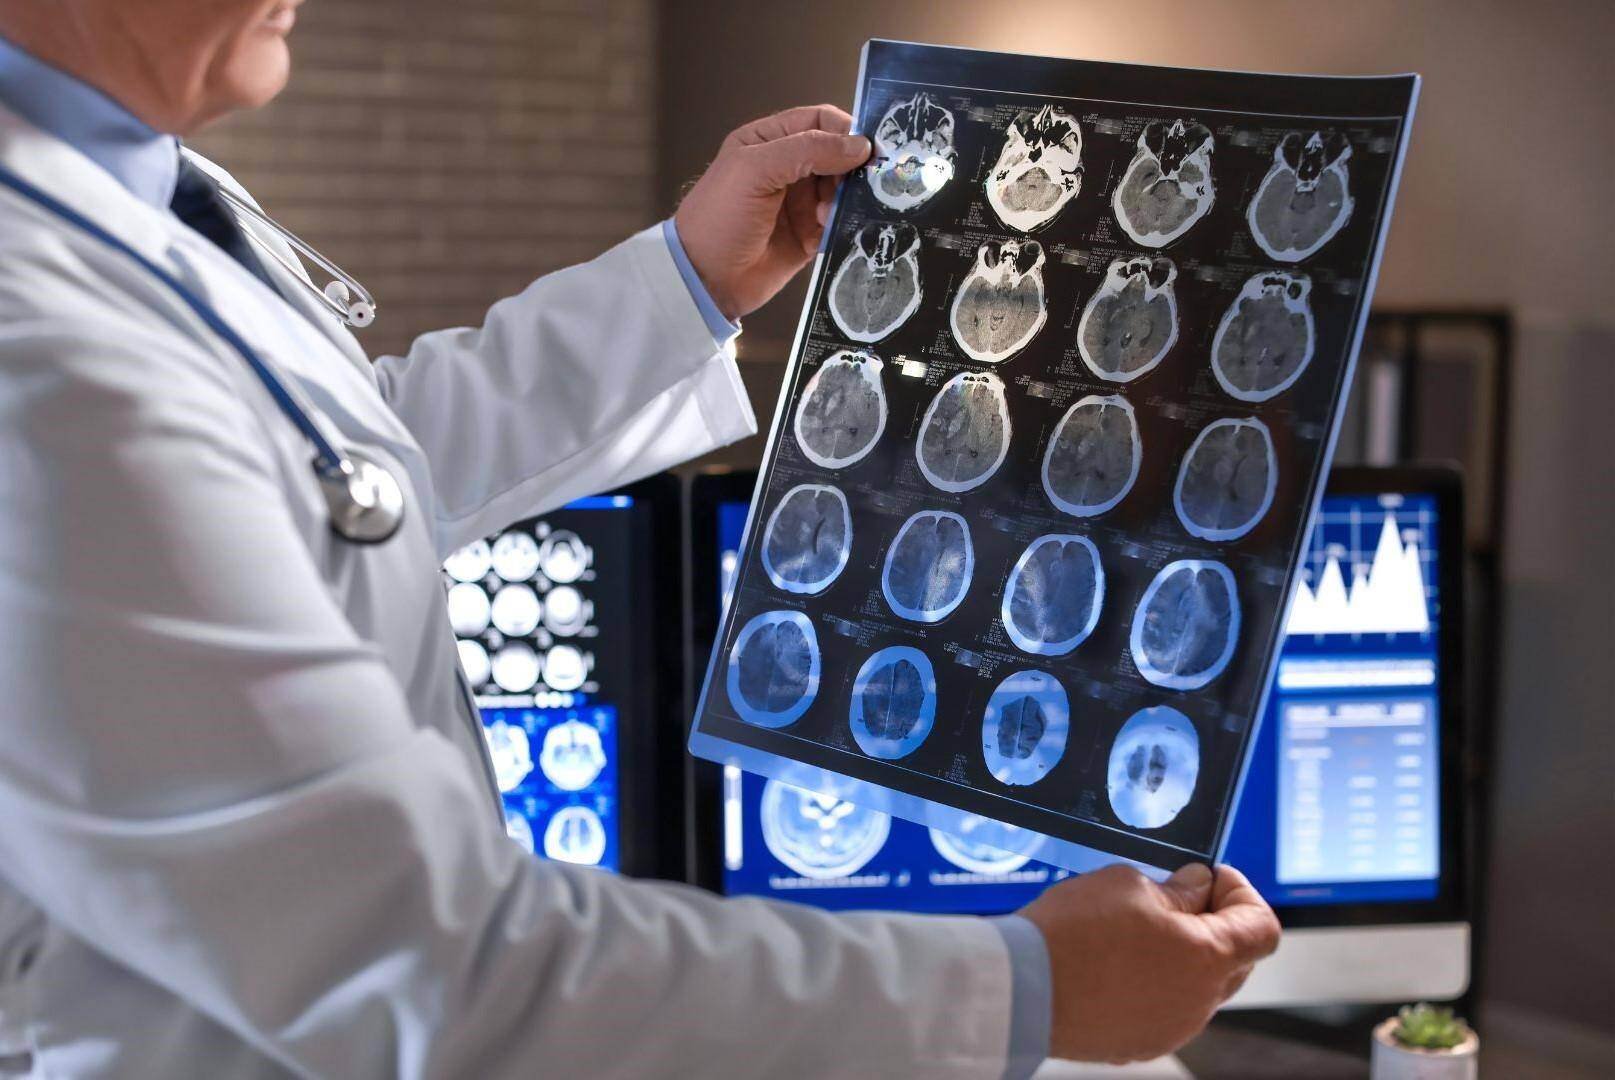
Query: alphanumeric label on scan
pixel 1060 408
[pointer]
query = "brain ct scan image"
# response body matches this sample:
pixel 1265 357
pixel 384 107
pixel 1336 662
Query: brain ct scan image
pixel 774 669
pixel 1168 186
pixel 474 662
pixel 1305 198
pixel 843 410
pixel 566 613
pixel 964 437
pixel 1227 479
pixel 469 610
pixel 515 610
pixel 1154 763
pixel 820 836
pixel 893 702
pixel 1131 322
pixel 1093 457
pixel 1054 595
pixel 520 830
pixel 929 566
pixel 511 752
pixel 1025 727
pixel 573 755
pixel 470 563
pixel 565 668
pixel 807 539
pixel 575 835
pixel 913 153
pixel 564 557
pixel 515 556
pixel 1000 306
pixel 515 667
pixel 1266 337
pixel 1187 624
pixel 984 846
pixel 1039 169
pixel 877 287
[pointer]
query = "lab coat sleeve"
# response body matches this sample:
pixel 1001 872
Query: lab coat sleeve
pixel 206 774
pixel 592 377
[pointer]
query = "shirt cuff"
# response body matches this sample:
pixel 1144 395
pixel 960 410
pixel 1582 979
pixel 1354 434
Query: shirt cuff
pixel 1031 995
pixel 723 331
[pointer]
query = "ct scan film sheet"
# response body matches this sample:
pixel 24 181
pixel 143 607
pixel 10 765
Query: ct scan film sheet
pixel 1058 413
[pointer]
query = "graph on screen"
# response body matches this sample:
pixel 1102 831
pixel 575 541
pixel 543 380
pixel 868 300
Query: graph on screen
pixel 1367 572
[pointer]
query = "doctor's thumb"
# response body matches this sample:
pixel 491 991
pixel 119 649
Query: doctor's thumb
pixel 782 162
pixel 1189 888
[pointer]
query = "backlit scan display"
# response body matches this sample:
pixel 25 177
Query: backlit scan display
pixel 1025 536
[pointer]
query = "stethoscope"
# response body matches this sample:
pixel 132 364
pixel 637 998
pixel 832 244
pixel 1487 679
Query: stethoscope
pixel 363 496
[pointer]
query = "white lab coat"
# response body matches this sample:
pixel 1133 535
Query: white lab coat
pixel 246 823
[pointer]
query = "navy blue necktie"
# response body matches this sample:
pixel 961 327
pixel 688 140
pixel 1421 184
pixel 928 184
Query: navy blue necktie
pixel 197 203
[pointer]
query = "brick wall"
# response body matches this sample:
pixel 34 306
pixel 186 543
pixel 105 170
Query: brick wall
pixel 446 154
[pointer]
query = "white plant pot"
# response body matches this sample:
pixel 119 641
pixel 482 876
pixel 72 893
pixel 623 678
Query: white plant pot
pixel 1393 1061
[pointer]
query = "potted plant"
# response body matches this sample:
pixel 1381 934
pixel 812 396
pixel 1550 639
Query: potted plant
pixel 1425 1042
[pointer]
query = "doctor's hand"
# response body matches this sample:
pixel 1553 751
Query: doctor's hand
pixel 1139 968
pixel 755 217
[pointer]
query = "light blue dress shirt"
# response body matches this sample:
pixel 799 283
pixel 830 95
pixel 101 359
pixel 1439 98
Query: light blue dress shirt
pixel 146 162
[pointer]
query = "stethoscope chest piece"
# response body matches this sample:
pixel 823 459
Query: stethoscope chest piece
pixel 365 501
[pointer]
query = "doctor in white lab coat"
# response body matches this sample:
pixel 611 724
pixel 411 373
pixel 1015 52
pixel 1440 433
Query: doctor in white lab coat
pixel 246 823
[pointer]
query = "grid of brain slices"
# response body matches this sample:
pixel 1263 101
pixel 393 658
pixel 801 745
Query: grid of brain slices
pixel 964 436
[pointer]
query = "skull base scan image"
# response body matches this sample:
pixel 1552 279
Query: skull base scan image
pixel 550 637
pixel 1059 408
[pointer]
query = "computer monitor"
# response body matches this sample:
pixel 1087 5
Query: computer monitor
pixel 1351 821
pixel 568 627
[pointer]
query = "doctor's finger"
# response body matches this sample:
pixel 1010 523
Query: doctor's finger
pixel 1240 917
pixel 778 164
pixel 792 121
pixel 801 209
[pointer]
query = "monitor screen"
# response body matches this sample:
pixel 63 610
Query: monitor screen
pixel 545 617
pixel 1341 803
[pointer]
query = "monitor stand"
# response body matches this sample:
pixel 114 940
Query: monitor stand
pixel 1162 1068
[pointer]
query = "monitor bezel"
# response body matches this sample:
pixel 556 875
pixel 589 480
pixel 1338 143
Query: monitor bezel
pixel 1450 904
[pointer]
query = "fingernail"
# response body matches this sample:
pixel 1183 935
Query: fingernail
pixel 822 212
pixel 857 146
pixel 1192 876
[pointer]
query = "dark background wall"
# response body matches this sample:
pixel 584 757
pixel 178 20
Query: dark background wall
pixel 1503 204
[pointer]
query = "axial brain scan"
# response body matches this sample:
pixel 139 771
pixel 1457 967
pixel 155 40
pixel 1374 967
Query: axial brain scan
pixel 1227 479
pixel 807 539
pixel 469 610
pixel 515 667
pixel 1039 169
pixel 929 566
pixel 774 668
pixel 1024 730
pixel 1305 198
pixel 893 702
pixel 1131 321
pixel 470 563
pixel 565 611
pixel 511 752
pixel 1265 338
pixel 982 846
pixel 565 668
pixel 819 836
pixel 843 410
pixel 1154 763
pixel 575 835
pixel 564 557
pixel 515 556
pixel 573 755
pixel 1093 457
pixel 964 437
pixel 1054 595
pixel 1186 625
pixel 520 830
pixel 515 610
pixel 1168 186
pixel 878 285
pixel 1000 306
pixel 914 153
pixel 474 662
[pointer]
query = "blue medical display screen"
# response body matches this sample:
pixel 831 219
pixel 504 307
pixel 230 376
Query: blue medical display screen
pixel 543 617
pixel 1341 801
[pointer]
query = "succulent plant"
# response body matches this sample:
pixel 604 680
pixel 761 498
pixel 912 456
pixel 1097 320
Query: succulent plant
pixel 1429 1027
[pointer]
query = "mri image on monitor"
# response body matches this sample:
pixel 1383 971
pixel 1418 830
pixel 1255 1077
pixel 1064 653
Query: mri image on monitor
pixel 1343 803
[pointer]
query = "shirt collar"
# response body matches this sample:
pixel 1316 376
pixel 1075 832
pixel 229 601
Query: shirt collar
pixel 143 160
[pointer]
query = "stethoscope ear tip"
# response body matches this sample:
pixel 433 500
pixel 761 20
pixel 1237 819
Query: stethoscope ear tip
pixel 361 314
